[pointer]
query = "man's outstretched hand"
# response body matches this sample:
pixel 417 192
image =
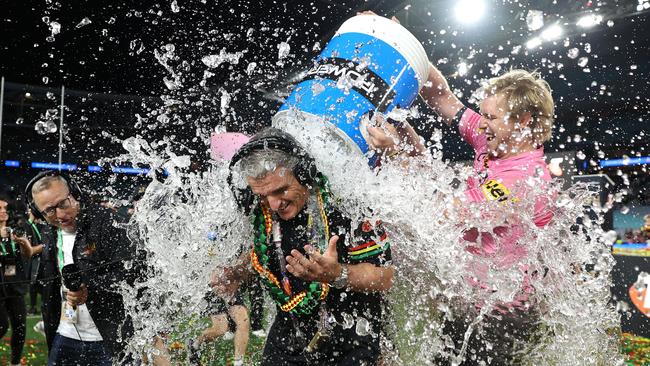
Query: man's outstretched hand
pixel 318 267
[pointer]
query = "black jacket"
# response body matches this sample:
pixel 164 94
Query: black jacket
pixel 102 252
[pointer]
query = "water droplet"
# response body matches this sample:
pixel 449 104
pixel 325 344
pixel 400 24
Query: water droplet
pixel 348 321
pixel 55 28
pixel 283 50
pixel 225 102
pixel 213 61
pixel 363 326
pixel 580 155
pixel 583 61
pixel 51 113
pixel 84 22
pixel 535 19
pixel 573 53
pixel 624 210
pixel 172 84
pixel 317 88
pixel 50 127
pixel 40 128
pixel 250 68
pixel 175 7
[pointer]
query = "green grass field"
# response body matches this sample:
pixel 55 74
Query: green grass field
pixel 35 350
pixel 220 352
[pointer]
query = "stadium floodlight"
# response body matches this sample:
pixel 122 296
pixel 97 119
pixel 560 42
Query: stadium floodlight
pixel 552 32
pixel 589 20
pixel 469 11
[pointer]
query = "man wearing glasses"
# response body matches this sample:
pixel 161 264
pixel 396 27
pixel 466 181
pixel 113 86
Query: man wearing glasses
pixel 88 326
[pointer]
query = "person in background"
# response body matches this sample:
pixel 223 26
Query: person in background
pixel 507 134
pixel 15 250
pixel 88 325
pixel 36 231
pixel 227 316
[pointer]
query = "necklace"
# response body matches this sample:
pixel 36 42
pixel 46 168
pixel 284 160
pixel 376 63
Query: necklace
pixel 305 301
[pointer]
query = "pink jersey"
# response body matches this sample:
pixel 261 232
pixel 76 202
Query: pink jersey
pixel 500 180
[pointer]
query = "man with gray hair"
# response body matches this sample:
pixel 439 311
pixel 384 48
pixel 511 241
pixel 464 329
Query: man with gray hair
pixel 326 278
pixel 87 324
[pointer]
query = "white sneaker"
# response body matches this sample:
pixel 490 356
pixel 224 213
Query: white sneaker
pixel 261 333
pixel 228 336
pixel 40 328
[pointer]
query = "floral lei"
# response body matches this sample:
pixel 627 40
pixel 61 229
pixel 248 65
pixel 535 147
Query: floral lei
pixel 302 303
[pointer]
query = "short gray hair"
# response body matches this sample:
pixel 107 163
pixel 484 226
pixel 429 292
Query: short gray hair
pixel 45 183
pixel 259 163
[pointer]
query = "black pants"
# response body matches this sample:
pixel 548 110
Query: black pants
pixel 500 339
pixel 34 290
pixel 14 312
pixel 344 348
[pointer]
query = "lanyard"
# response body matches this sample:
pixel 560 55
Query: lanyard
pixel 38 233
pixel 59 247
pixel 13 248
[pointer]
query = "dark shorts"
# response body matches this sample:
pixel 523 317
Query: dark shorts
pixel 217 305
pixel 344 348
pixel 500 338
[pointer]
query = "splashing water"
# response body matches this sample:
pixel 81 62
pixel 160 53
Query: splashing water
pixel 175 224
pixel 416 203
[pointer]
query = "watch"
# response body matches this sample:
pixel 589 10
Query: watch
pixel 342 280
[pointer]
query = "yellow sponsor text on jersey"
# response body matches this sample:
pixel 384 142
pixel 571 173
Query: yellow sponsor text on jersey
pixel 493 190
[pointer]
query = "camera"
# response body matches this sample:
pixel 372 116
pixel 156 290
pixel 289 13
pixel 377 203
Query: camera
pixel 15 231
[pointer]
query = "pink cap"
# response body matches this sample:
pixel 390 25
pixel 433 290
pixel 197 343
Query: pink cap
pixel 223 146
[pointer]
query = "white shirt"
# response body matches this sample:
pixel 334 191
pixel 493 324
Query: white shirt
pixel 85 326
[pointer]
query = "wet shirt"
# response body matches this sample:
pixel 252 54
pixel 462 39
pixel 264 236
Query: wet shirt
pixel 366 244
pixel 501 180
pixel 85 328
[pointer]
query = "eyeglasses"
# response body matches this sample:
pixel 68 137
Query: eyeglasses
pixel 63 204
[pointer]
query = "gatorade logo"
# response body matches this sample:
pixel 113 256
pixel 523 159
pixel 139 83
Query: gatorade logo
pixel 495 191
pixel 368 84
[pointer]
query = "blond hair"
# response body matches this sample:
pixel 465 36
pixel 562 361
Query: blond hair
pixel 526 92
pixel 46 182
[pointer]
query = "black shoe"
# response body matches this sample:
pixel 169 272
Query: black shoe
pixel 32 311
